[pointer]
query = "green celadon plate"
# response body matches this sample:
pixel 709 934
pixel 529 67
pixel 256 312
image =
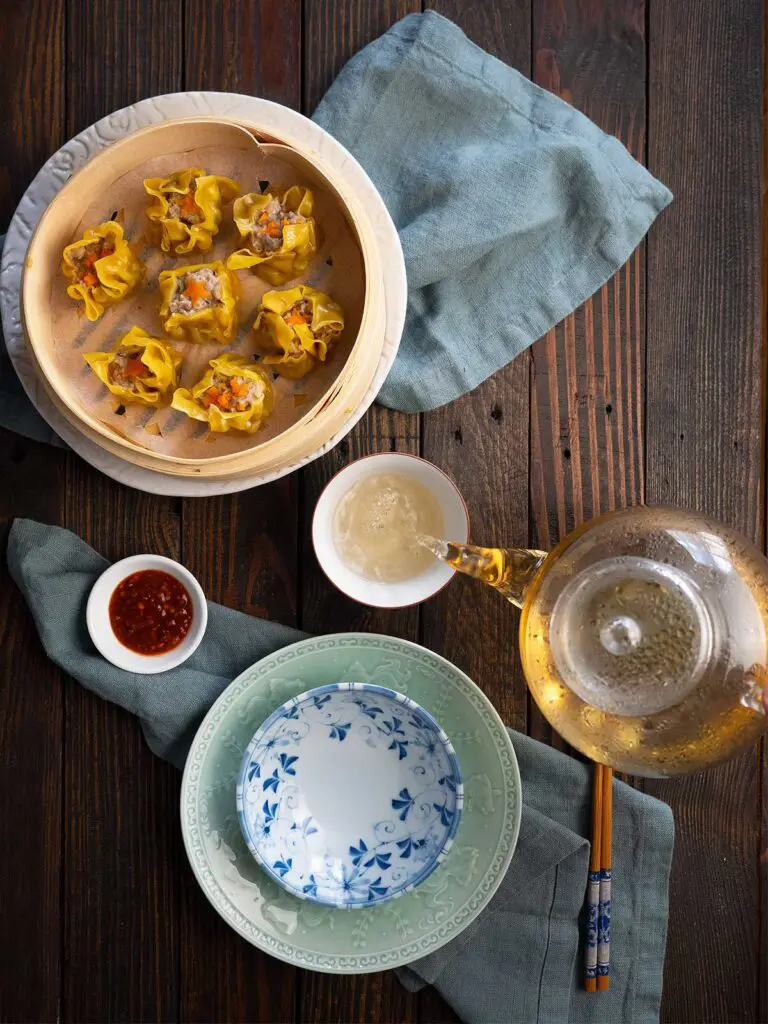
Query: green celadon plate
pixel 393 933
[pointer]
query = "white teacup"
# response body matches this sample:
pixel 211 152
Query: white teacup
pixel 377 593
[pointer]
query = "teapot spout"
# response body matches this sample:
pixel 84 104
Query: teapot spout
pixel 508 570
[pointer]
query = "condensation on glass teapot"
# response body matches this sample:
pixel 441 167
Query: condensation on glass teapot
pixel 644 636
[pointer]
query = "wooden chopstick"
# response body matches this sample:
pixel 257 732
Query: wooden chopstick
pixel 593 883
pixel 604 909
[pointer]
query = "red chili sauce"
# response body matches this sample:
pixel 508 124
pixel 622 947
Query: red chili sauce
pixel 150 612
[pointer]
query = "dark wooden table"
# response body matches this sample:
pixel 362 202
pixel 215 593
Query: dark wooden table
pixel 653 391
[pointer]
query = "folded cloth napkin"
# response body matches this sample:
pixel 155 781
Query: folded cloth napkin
pixel 512 207
pixel 519 961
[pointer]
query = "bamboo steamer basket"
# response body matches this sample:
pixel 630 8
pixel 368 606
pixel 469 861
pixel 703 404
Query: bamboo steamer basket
pixel 322 418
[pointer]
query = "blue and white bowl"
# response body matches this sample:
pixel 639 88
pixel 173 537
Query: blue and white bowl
pixel 349 795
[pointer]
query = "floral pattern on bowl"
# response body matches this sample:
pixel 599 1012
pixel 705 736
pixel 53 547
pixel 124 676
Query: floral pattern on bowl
pixel 349 795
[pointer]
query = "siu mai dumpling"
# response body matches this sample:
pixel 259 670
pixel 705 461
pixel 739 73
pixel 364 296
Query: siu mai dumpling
pixel 102 268
pixel 139 369
pixel 187 207
pixel 199 302
pixel 232 394
pixel 297 326
pixel 279 234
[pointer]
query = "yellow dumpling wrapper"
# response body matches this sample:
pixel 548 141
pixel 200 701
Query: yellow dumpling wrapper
pixel 298 241
pixel 101 281
pixel 198 195
pixel 160 360
pixel 208 399
pixel 300 343
pixel 205 320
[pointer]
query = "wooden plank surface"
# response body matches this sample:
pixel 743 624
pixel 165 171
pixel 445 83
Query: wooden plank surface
pixel 334 31
pixel 705 436
pixel 109 917
pixel 481 441
pixel 33 485
pixel 121 837
pixel 242 547
pixel 588 372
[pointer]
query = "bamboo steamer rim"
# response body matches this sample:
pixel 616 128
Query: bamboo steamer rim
pixel 324 418
pixel 145 461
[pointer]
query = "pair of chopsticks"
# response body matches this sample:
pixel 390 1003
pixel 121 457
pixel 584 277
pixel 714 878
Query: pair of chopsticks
pixel 597 954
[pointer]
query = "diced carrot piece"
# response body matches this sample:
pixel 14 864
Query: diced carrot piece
pixel 90 279
pixel 239 387
pixel 196 291
pixel 134 367
pixel 296 318
pixel 273 229
pixel 188 204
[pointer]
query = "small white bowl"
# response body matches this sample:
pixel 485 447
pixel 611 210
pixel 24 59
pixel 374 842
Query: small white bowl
pixel 100 628
pixel 374 592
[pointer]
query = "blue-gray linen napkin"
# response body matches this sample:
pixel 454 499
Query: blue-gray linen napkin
pixel 520 961
pixel 512 207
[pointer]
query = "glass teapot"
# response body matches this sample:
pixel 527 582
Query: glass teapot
pixel 644 635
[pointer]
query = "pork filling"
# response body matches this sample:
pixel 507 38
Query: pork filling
pixel 126 368
pixel 301 313
pixel 184 207
pixel 195 291
pixel 85 260
pixel 267 231
pixel 232 394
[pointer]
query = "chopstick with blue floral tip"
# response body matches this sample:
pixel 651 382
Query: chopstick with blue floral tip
pixel 593 883
pixel 604 906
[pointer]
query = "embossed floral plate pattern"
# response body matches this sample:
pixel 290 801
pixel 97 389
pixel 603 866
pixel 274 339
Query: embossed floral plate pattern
pixel 349 795
pixel 393 933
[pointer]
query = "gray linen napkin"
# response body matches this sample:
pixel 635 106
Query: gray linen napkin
pixel 512 207
pixel 519 961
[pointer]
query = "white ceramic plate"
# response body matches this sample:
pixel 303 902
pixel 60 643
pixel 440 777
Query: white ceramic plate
pixel 55 173
pixel 398 931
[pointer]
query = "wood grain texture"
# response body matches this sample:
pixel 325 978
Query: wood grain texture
pixel 119 53
pixel 33 484
pixel 334 30
pixel 705 430
pixel 121 836
pixel 481 440
pixel 93 821
pixel 121 841
pixel 242 547
pixel 31 730
pixel 33 91
pixel 247 46
pixel 762 850
pixel 338 29
pixel 588 371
